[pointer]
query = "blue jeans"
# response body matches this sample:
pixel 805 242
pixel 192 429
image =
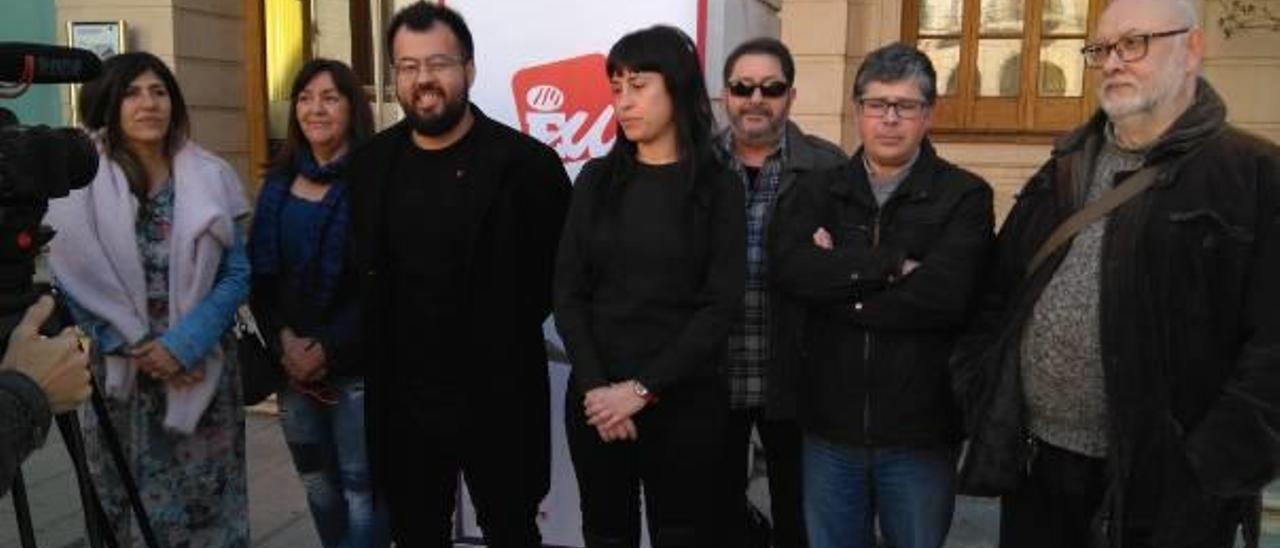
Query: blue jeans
pixel 328 446
pixel 846 488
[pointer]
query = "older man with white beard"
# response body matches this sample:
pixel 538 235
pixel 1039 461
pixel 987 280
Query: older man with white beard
pixel 1122 380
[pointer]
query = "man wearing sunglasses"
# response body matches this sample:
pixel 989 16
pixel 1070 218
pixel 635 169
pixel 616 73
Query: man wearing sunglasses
pixel 1122 386
pixel 768 152
pixel 883 254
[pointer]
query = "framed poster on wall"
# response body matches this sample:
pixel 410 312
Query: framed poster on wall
pixel 104 38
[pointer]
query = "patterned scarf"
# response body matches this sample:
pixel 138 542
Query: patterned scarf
pixel 306 164
pixel 320 270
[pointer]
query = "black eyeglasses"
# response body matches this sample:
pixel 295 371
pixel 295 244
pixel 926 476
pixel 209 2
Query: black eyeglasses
pixel 906 109
pixel 772 90
pixel 409 69
pixel 1131 48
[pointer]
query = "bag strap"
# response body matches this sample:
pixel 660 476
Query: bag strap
pixel 1128 188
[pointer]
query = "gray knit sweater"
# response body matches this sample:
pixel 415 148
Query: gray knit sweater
pixel 1061 354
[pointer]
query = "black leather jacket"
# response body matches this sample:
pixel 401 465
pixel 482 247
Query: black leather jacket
pixel 873 345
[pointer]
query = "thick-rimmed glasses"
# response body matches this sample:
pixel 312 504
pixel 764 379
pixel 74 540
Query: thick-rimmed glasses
pixel 409 69
pixel 1131 48
pixel 906 109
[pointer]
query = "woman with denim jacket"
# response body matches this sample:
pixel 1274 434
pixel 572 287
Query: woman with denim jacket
pixel 151 261
pixel 303 299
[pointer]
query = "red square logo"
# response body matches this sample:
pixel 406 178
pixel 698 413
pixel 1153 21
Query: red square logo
pixel 567 105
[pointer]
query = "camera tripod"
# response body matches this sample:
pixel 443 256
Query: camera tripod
pixel 99 531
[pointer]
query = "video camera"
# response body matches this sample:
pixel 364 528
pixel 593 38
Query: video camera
pixel 36 164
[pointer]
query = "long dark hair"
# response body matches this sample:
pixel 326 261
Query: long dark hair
pixel 669 52
pixel 360 120
pixel 100 102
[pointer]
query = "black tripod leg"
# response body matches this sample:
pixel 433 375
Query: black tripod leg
pixel 22 510
pixel 126 475
pixel 104 531
pixel 95 518
pixel 93 510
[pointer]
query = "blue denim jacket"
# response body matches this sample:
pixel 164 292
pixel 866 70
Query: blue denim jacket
pixel 192 338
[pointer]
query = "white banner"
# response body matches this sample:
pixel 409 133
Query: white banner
pixel 540 63
pixel 540 68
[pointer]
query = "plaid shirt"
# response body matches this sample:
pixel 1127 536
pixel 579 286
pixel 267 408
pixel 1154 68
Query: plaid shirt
pixel 749 348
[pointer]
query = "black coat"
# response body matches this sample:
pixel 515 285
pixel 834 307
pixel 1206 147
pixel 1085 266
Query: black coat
pixel 1190 330
pixel 873 346
pixel 805 154
pixel 519 195
pixel 690 300
pixel 284 300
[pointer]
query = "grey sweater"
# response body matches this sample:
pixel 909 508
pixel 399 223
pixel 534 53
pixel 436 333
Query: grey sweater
pixel 1061 353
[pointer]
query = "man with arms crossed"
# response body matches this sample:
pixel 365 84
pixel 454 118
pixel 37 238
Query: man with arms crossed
pixel 884 253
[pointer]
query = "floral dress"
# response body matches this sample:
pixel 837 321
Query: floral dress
pixel 193 486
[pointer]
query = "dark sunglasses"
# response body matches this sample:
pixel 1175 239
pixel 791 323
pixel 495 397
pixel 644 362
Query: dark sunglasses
pixel 772 90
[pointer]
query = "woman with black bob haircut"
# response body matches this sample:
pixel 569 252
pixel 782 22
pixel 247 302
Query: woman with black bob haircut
pixel 304 300
pixel 150 257
pixel 649 279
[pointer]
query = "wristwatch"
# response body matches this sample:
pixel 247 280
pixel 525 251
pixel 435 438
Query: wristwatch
pixel 641 391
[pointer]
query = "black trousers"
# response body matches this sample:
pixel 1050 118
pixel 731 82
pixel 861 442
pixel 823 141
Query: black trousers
pixel 1056 504
pixel 676 461
pixel 506 464
pixel 782 442
pixel 1055 508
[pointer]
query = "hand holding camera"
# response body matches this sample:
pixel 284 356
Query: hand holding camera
pixel 60 365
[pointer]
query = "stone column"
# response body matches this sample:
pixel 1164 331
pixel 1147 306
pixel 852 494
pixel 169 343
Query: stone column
pixel 829 39
pixel 817 32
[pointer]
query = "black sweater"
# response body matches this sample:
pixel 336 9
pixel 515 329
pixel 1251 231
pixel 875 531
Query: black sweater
pixel 288 300
pixel 649 281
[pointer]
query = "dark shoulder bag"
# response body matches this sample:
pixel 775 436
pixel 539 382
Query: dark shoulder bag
pixel 260 372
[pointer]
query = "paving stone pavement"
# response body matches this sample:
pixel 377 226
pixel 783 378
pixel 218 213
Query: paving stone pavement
pixel 279 517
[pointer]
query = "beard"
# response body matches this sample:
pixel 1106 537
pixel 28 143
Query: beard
pixel 1164 85
pixel 758 135
pixel 435 125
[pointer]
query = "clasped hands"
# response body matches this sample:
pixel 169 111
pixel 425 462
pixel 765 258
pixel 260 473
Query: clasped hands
pixel 610 408
pixel 304 359
pixel 153 359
